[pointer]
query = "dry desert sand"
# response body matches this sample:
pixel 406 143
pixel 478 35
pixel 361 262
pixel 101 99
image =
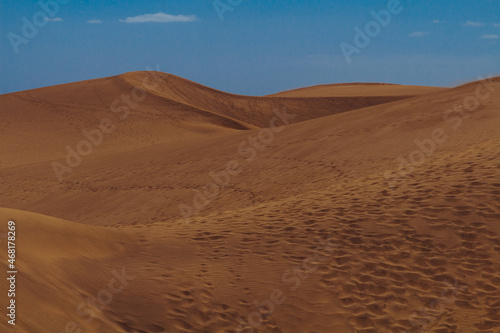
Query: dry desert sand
pixel 337 208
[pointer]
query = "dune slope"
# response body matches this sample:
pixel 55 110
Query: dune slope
pixel 150 183
pixel 140 109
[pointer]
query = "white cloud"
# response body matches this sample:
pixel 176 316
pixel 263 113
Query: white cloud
pixel 160 18
pixel 55 19
pixel 497 25
pixel 419 34
pixel 490 37
pixel 473 24
pixel 94 21
pixel 437 21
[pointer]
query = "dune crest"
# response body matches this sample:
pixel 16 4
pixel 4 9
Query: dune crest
pixel 359 89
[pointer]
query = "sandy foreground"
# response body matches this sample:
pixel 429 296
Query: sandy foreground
pixel 148 203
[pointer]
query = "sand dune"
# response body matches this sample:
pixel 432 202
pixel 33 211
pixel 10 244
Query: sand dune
pixel 359 89
pixel 327 225
pixel 144 108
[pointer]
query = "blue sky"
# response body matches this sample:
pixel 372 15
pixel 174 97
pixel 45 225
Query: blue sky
pixel 261 46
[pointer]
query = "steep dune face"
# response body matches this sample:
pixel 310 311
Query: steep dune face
pixel 384 218
pixel 359 89
pixel 254 110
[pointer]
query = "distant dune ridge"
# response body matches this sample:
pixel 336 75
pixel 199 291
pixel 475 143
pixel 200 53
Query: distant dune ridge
pixel 359 89
pixel 375 208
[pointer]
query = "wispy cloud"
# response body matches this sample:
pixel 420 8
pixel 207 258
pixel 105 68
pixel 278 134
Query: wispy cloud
pixel 473 24
pixel 55 19
pixel 496 25
pixel 419 34
pixel 160 18
pixel 490 37
pixel 437 21
pixel 94 21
